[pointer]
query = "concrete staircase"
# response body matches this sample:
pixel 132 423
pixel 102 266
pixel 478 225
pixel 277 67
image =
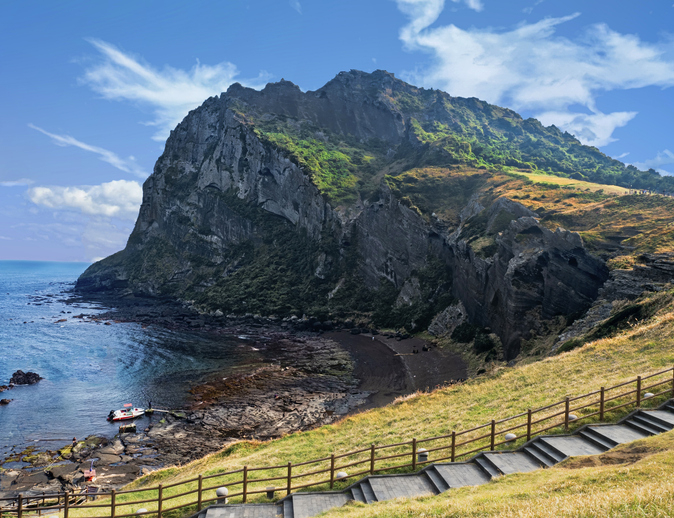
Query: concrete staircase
pixel 541 452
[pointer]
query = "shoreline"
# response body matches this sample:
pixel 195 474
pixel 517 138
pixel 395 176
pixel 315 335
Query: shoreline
pixel 308 379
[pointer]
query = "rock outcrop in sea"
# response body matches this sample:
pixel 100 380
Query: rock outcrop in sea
pixel 24 378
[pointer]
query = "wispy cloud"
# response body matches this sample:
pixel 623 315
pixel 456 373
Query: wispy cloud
pixel 171 93
pixel 529 10
pixel 593 129
pixel 531 68
pixel 295 4
pixel 476 5
pixel 663 158
pixel 6 238
pixel 16 183
pixel 120 198
pixel 127 165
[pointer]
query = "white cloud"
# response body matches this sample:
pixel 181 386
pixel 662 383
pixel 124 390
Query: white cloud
pixel 473 4
pixel 128 165
pixel 663 158
pixel 6 238
pixel 531 68
pixel 169 92
pixel 592 129
pixel 529 10
pixel 295 4
pixel 16 183
pixel 101 238
pixel 119 198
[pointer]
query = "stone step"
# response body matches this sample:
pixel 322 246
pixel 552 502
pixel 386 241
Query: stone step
pixel 436 479
pixel 388 487
pixel 246 511
pixel 288 508
pixel 661 416
pixel 536 454
pixel 357 494
pixel 652 423
pixel 487 467
pixel 618 433
pixel 600 441
pixel 552 454
pixel 306 505
pixel 513 462
pixel 572 445
pixel 641 427
pixel 366 488
pixel 462 474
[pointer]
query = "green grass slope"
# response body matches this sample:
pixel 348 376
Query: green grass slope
pixel 441 130
pixel 640 349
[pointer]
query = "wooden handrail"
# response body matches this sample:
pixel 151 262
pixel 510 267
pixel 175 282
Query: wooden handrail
pixel 64 501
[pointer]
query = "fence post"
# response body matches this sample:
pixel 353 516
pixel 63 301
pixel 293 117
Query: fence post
pixel 112 504
pixel 638 391
pixel 528 425
pixel 332 470
pixel 493 434
pixel 673 382
pixel 453 444
pixel 19 505
pixel 245 483
pixel 66 504
pixel 566 414
pixel 602 398
pixel 160 497
pixel 372 460
pixel 290 478
pixel 200 485
pixel 414 454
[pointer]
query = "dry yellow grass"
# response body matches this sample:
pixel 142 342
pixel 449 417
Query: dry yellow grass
pixel 629 489
pixel 576 184
pixel 509 391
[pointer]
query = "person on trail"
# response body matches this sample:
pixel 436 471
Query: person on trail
pixel 74 442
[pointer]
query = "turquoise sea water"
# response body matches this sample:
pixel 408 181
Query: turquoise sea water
pixel 89 368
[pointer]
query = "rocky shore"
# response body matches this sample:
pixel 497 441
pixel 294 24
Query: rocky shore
pixel 315 373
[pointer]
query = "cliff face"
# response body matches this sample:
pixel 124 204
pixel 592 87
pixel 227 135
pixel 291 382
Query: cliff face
pixel 242 215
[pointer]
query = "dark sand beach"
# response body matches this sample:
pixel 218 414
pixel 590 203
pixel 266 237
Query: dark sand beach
pixel 307 379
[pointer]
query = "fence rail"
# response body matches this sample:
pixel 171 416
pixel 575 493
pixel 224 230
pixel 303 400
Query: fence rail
pixel 246 481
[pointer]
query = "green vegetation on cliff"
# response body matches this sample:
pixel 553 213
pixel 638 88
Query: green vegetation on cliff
pixel 443 131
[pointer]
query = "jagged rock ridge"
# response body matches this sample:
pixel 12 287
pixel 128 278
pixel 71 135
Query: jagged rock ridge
pixel 237 219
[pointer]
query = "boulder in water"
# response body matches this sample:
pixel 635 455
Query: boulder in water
pixel 24 378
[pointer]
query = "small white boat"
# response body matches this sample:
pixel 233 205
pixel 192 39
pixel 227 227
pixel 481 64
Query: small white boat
pixel 128 412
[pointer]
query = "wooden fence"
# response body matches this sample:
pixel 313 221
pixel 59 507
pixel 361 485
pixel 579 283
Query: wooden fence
pixel 249 483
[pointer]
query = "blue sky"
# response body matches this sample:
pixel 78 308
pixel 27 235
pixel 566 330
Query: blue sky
pixel 91 90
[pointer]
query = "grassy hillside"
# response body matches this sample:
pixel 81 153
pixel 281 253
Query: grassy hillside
pixel 441 130
pixel 612 223
pixel 503 392
pixel 632 480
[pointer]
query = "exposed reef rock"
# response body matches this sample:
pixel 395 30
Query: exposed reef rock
pixel 24 378
pixel 243 214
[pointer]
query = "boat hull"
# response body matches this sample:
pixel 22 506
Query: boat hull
pixel 126 415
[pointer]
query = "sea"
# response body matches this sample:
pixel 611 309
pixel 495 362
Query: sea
pixel 91 368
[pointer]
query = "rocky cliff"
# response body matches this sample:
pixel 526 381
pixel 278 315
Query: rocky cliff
pixel 286 202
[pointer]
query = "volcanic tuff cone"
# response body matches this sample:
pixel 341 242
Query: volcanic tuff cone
pixel 368 197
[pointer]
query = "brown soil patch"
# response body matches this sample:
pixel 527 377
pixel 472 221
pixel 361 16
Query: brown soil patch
pixel 626 455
